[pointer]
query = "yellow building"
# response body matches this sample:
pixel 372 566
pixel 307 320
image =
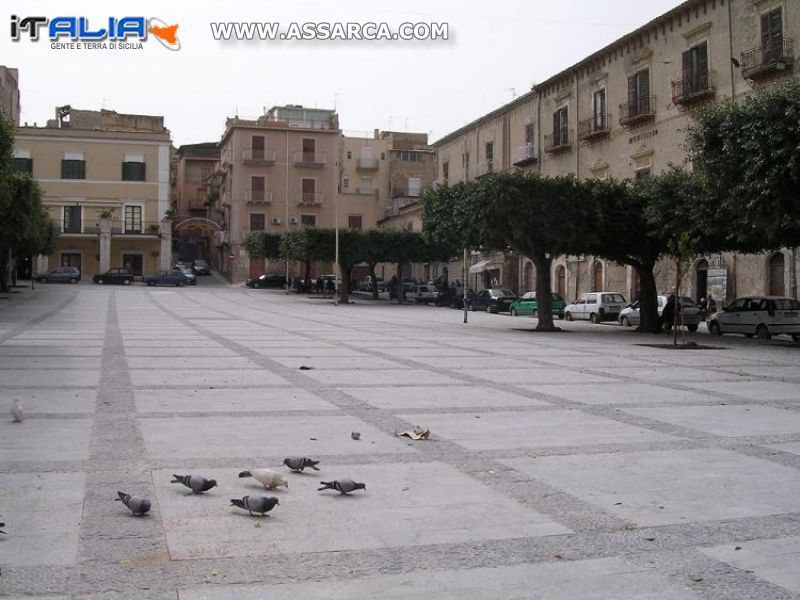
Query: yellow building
pixel 105 181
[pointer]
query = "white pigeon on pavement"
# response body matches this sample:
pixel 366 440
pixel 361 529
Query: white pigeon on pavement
pixel 16 411
pixel 267 477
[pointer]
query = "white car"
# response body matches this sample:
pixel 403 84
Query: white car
pixel 689 313
pixel 596 306
pixel 760 316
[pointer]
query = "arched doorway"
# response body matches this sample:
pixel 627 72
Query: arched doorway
pixel 529 281
pixel 597 276
pixel 777 268
pixel 561 279
pixel 701 276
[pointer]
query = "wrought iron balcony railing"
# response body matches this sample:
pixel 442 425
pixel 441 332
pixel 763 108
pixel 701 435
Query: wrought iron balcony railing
pixel 308 198
pixel 309 159
pixel 695 88
pixel 771 59
pixel 258 155
pixel 523 155
pixel 558 141
pixel 643 108
pixel 594 127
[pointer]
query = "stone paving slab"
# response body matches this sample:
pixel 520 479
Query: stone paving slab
pixel 407 397
pixel 728 421
pixel 775 560
pixel 45 439
pixel 612 577
pixel 227 400
pixel 49 401
pixel 538 375
pixel 48 362
pixel 207 377
pixel 753 390
pixel 623 393
pixel 223 436
pixel 544 429
pixel 793 447
pixel 667 487
pixel 381 376
pixel 404 505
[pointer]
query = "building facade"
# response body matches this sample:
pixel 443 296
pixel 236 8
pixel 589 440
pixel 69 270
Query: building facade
pixel 622 113
pixel 194 232
pixel 9 94
pixel 105 178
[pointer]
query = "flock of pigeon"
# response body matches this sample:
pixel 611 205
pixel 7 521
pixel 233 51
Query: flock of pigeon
pixel 261 505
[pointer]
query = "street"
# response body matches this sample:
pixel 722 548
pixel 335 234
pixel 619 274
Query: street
pixel 578 464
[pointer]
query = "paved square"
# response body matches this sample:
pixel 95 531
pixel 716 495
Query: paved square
pixel 227 400
pixel 396 397
pixel 728 421
pixel 775 560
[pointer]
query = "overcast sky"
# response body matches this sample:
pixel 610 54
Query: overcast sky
pixel 496 48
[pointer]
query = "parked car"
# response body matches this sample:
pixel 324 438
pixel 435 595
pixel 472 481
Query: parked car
pixel 267 280
pixel 493 300
pixel 365 285
pixel 527 305
pixel 427 294
pixel 690 315
pixel 760 316
pixel 115 276
pixel 596 307
pixel 172 277
pixel 200 267
pixel 60 275
pixel 191 278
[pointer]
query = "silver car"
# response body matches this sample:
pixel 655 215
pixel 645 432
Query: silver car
pixel 760 316
pixel 688 315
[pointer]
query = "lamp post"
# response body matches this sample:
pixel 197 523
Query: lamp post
pixel 337 270
pixel 286 215
pixel 464 285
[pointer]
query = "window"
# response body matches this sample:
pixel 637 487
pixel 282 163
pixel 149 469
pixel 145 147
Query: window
pixel 561 127
pixel 529 134
pixel 131 171
pixel 639 94
pixel 73 169
pixel 489 151
pixel 258 147
pixel 365 187
pixel 695 69
pixel 257 189
pixel 258 221
pixel 71 259
pixel 134 263
pixel 72 219
pixel 345 182
pixel 383 155
pixel 205 173
pixel 355 221
pixel 465 161
pixel 133 219
pixel 349 155
pixel 414 186
pixel 446 171
pixel 308 220
pixel 309 190
pixel 409 156
pixel 22 165
pixel 643 173
pixel 772 33
pixel 309 150
pixel 599 109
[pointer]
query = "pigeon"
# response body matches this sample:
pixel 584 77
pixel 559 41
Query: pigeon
pixel 16 411
pixel 138 506
pixel 259 504
pixel 344 486
pixel 2 525
pixel 298 463
pixel 195 483
pixel 269 479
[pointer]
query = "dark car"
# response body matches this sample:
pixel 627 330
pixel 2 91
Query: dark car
pixel 191 278
pixel 114 276
pixel 493 300
pixel 267 280
pixel 60 275
pixel 200 267
pixel 457 297
pixel 173 277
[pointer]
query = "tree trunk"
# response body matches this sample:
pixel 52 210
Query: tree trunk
pixel 374 281
pixel 676 310
pixel 544 298
pixel 344 288
pixel 401 290
pixel 4 259
pixel 648 298
pixel 306 277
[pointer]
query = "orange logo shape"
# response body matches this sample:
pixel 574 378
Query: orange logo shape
pixel 167 35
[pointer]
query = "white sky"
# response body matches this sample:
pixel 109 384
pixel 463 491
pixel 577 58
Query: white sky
pixel 433 87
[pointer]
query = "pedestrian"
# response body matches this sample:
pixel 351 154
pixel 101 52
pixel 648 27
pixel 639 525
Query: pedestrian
pixel 665 321
pixel 712 305
pixel 703 308
pixel 319 284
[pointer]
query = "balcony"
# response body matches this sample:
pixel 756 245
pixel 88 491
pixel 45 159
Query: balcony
pixel 366 190
pixel 693 89
pixel 258 156
pixel 766 61
pixel 402 191
pixel 309 159
pixel 308 198
pixel 367 164
pixel 635 113
pixel 484 168
pixel 257 196
pixel 595 127
pixel 558 141
pixel 523 155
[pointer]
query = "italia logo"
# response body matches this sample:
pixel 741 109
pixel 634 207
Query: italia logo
pixel 110 30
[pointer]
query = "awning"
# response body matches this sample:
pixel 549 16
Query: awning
pixel 484 265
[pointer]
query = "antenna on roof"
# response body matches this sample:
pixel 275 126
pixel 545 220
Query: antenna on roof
pixel 513 92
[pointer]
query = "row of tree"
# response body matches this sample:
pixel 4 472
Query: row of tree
pixel 25 226
pixel 741 195
pixel 373 246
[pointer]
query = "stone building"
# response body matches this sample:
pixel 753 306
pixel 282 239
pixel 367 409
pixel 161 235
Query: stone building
pixel 9 94
pixel 622 112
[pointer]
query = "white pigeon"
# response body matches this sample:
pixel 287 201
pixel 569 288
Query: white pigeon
pixel 16 411
pixel 269 479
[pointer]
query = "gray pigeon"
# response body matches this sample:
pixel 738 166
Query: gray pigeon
pixel 344 486
pixel 259 504
pixel 2 525
pixel 138 506
pixel 195 483
pixel 17 415
pixel 298 463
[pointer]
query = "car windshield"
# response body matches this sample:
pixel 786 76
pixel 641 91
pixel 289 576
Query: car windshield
pixel 614 298
pixel 686 301
pixel 503 292
pixel 787 304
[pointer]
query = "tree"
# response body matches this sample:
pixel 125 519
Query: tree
pixel 749 152
pixel 263 245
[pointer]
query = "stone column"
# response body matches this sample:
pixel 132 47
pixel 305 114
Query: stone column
pixel 105 244
pixel 166 245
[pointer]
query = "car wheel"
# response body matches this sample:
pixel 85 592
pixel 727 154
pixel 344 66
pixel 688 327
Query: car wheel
pixel 126 282
pixel 100 281
pixel 594 318
pixel 179 284
pixel 763 333
pixel 625 322
pixel 692 328
pixel 151 283
pixel 796 337
pixel 472 307
pixel 44 280
pixel 714 328
pixel 513 312
pixel 73 280
pixel 568 316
